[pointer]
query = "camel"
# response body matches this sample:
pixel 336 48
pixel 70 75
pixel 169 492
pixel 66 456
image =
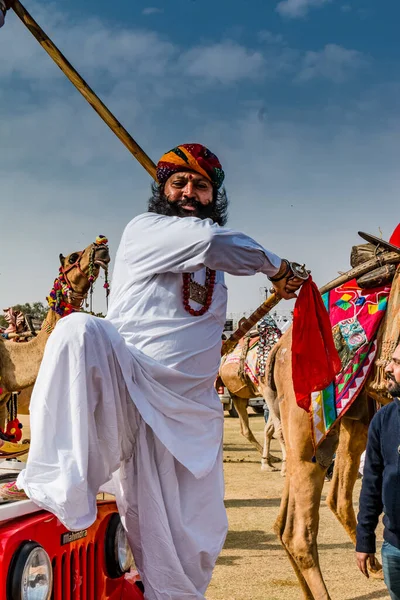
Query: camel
pixel 241 389
pixel 19 363
pixel 241 392
pixel 298 519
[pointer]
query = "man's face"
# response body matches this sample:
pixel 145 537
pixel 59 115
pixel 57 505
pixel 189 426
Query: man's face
pixel 190 193
pixel 393 374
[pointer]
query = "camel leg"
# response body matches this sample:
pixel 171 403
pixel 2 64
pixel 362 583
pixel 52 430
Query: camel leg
pixel 297 526
pixel 271 399
pixel 352 443
pixel 269 429
pixel 241 407
pixel 298 519
pixel 279 528
pixel 279 435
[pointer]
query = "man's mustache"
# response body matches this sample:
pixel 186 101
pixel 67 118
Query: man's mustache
pixel 189 202
pixel 181 207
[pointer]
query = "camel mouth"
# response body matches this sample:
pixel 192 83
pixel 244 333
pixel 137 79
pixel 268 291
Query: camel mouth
pixel 103 263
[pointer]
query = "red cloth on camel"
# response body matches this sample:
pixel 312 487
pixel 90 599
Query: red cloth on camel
pixel 315 361
pixel 395 237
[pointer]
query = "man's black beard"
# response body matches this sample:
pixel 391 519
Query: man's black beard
pixel 394 389
pixel 217 210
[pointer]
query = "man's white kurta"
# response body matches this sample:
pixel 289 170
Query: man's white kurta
pixel 179 351
pixel 137 390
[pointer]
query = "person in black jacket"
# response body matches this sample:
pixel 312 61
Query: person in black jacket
pixel 380 491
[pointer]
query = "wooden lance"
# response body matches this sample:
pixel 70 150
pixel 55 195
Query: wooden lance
pixel 82 86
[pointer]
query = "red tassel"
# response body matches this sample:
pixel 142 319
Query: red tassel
pixel 315 361
pixel 14 430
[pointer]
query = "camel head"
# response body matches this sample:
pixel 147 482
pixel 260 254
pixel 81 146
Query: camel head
pixel 77 274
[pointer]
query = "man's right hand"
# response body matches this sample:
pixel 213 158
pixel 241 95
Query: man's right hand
pixel 362 562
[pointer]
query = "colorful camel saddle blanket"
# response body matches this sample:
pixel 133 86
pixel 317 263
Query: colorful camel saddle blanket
pixel 355 316
pixel 250 366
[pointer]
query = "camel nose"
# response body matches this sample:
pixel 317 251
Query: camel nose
pixel 103 255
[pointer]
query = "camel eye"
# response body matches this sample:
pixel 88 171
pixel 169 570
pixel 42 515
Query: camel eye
pixel 73 258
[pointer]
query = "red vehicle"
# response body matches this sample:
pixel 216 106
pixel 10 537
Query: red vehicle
pixel 41 560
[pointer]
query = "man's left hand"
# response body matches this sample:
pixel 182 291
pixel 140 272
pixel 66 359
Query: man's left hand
pixel 362 559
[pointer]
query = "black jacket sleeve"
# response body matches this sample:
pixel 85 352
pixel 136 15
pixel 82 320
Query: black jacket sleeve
pixel 371 491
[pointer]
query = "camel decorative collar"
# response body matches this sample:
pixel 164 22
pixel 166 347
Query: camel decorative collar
pixel 58 292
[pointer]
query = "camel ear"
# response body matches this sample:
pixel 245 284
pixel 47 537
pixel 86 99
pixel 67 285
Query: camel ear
pixel 62 258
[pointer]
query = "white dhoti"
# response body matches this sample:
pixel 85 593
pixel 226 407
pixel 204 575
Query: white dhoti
pixel 94 416
pixel 136 393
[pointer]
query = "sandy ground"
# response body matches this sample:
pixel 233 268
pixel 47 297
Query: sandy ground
pixel 253 565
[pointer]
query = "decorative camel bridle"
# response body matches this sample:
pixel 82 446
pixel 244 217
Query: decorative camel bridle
pixel 63 299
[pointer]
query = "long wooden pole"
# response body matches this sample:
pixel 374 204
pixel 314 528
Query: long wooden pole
pixel 383 259
pixel 82 86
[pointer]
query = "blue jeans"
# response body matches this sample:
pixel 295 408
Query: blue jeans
pixel 391 569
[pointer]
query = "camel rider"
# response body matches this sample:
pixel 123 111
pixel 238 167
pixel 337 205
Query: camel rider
pixel 131 397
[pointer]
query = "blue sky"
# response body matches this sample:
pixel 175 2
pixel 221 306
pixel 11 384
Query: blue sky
pixel 298 98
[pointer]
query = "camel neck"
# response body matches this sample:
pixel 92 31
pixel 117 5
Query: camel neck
pixel 49 323
pixel 21 361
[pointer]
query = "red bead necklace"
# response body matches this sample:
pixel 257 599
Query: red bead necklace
pixel 199 293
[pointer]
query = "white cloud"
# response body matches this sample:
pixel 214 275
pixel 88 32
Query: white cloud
pixel 96 49
pixel 300 189
pixel 151 10
pixel 225 62
pixel 295 9
pixel 333 62
pixel 269 37
pixel 89 45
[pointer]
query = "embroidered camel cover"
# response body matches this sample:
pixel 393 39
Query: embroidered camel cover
pixel 355 316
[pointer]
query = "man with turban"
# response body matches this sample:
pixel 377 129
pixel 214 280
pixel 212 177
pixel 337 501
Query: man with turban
pixel 131 397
